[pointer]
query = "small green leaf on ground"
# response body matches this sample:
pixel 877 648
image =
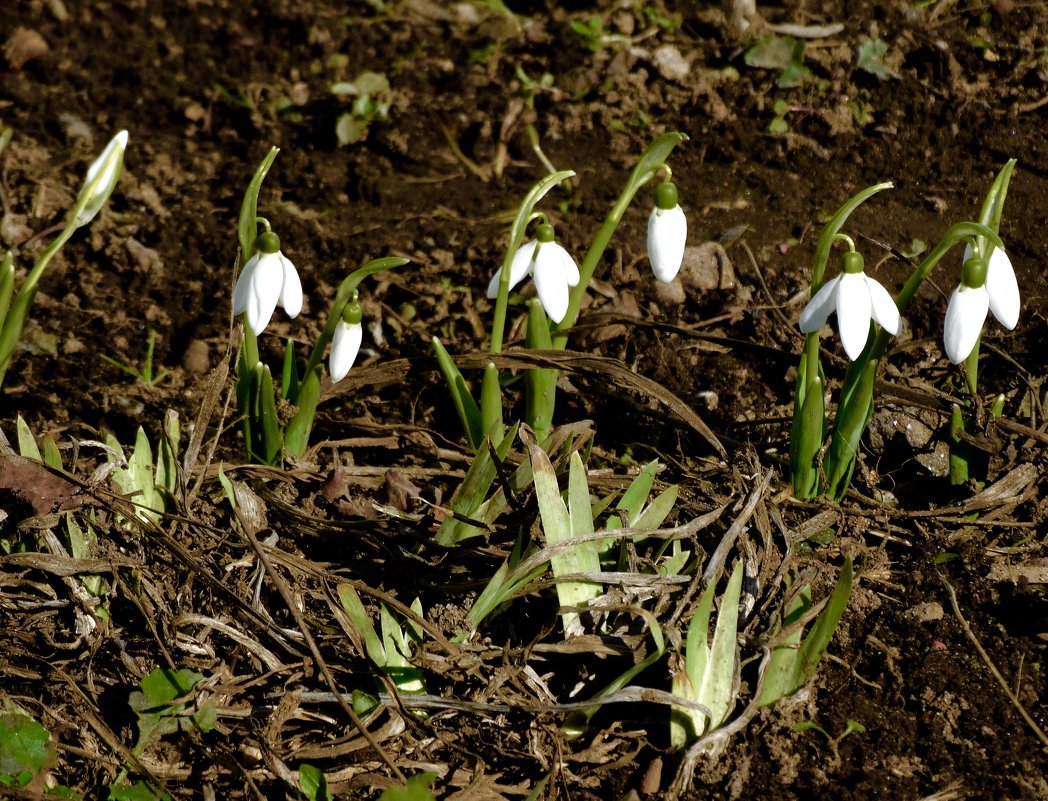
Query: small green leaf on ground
pixel 417 789
pixel 159 715
pixel 780 53
pixel 313 783
pixel 871 59
pixel 24 750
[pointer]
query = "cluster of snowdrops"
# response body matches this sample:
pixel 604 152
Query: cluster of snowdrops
pixel 866 312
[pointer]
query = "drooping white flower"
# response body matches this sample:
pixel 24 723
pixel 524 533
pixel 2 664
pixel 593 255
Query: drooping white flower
pixel 667 233
pixel 552 267
pixel 986 286
pixel 344 348
pixel 268 279
pixel 857 299
pixel 101 179
pixel 345 343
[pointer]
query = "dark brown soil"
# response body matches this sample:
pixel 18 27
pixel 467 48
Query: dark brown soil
pixel 206 87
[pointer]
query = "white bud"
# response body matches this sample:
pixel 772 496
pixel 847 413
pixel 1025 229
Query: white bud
pixel 101 178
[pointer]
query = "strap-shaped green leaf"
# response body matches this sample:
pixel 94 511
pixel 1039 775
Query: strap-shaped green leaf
pixel 461 397
pixel 247 229
pixel 296 437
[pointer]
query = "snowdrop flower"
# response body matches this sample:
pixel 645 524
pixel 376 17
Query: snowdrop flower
pixel 101 179
pixel 985 286
pixel 345 344
pixel 667 233
pixel 268 279
pixel 857 299
pixel 554 270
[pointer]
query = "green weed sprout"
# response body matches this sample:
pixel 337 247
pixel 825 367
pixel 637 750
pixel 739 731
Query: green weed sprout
pixel 267 280
pixel 708 674
pixel 27 752
pixel 144 373
pixel 313 783
pixel 392 651
pixel 850 727
pixel 793 661
pixel 560 285
pixel 866 317
pixel 568 529
pixel 169 701
pixel 101 179
pixel 146 485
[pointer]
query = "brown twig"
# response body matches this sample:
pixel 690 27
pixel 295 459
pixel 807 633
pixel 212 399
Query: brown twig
pixel 300 621
pixel 1037 730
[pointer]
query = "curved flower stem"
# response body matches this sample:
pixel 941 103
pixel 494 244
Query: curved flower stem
pixel 651 161
pixel 516 237
pixel 345 290
pixel 830 233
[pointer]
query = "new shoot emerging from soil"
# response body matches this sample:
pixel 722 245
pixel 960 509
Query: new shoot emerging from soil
pixel 101 179
pixel 707 676
pixel 867 316
pixel 270 279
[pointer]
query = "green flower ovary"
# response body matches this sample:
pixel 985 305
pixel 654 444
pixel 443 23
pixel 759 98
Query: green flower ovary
pixel 852 262
pixel 267 242
pixel 544 232
pixel 351 312
pixel 666 195
pixel 973 273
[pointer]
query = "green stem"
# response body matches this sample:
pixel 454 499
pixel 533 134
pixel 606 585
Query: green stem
pixel 247 226
pixel 14 320
pixel 971 368
pixel 993 205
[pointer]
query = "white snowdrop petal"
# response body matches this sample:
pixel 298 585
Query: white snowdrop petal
pixel 101 178
pixel 109 158
pixel 965 315
pixel 493 284
pixel 551 283
pixel 667 237
pixel 345 345
pixel 1003 289
pixel 291 288
pixel 568 265
pixel 854 310
pixel 263 291
pixel 240 291
pixel 819 307
pixel 518 268
pixel 885 312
